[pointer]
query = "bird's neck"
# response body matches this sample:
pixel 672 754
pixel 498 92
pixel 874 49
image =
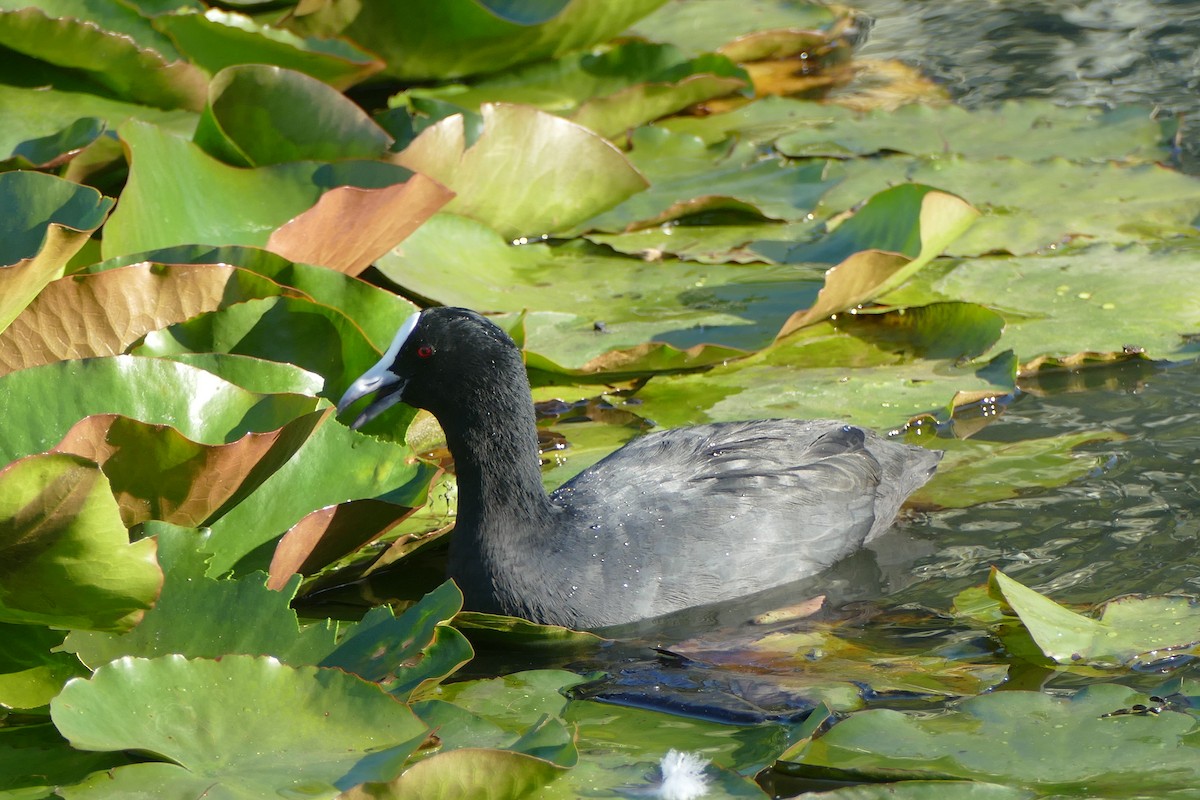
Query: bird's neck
pixel 500 496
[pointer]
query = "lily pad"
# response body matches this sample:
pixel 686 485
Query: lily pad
pixel 369 468
pixel 40 404
pixel 314 730
pixel 609 91
pixel 687 177
pixel 200 617
pixel 157 473
pixel 407 655
pixel 975 472
pixel 1129 628
pixel 1030 130
pixel 67 557
pixel 215 39
pixel 1031 207
pixel 30 674
pixel 528 173
pixel 709 26
pixel 259 115
pixel 118 49
pixel 1127 754
pixel 44 221
pixel 80 316
pixel 255 202
pixel 1101 298
pixel 819 373
pixel 422 41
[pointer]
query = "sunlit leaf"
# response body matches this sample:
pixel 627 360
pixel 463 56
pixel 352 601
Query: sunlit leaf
pixel 254 202
pixel 311 730
pixel 40 404
pixel 115 45
pixel 529 173
pixel 1128 628
pixel 197 616
pixel 976 471
pixel 216 39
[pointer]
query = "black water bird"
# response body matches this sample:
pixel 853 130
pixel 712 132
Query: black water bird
pixel 674 519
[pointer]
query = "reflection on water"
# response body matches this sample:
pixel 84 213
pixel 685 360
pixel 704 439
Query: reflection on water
pixel 1099 53
pixel 1132 526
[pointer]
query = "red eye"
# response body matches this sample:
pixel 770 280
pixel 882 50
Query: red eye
pixel 424 351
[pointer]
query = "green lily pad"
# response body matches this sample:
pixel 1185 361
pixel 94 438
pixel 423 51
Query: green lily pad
pixel 200 617
pixel 1101 298
pixel 708 26
pixel 1032 207
pixel 44 221
pixel 1052 745
pixel 215 39
pixel 422 41
pixel 312 730
pixel 609 91
pixel 410 654
pixel 759 122
pixel 35 760
pixel 310 335
pixel 618 747
pixel 113 44
pixel 1030 130
pixel 40 404
pixel 528 173
pixel 40 120
pixel 697 314
pixel 975 471
pixel 259 115
pixel 485 774
pixel 687 177
pixel 1129 628
pixel 256 202
pixel 67 557
pixel 377 311
pixel 708 244
pixel 255 374
pixel 367 468
pixel 817 373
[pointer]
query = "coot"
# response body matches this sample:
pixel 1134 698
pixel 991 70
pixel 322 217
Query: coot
pixel 673 519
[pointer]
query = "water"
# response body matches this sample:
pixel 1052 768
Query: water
pixel 1100 53
pixel 1133 525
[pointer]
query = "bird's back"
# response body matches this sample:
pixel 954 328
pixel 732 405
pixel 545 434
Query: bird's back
pixel 698 515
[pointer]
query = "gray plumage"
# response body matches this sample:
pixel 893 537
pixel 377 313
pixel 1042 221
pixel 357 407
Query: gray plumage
pixel 674 519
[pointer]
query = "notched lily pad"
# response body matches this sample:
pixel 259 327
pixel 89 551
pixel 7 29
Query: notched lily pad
pixel 314 730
